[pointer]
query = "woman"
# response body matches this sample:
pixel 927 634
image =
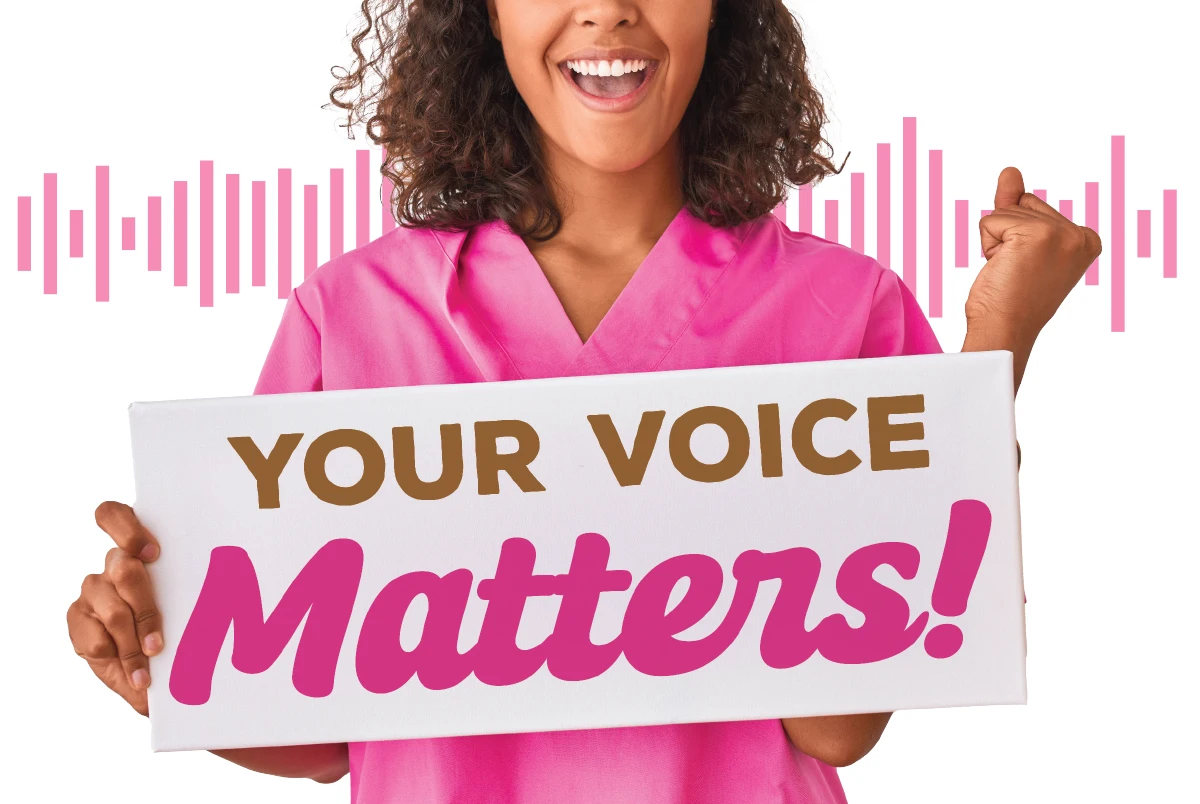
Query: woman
pixel 585 187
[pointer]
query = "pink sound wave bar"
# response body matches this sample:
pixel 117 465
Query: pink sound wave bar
pixel 1151 243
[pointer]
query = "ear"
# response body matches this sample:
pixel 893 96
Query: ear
pixel 493 19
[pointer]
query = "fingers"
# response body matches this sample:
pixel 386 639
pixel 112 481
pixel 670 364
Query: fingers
pixel 132 582
pixel 1031 214
pixel 1012 200
pixel 92 642
pixel 100 599
pixel 993 227
pixel 1034 205
pixel 88 636
pixel 1038 220
pixel 118 521
pixel 1009 188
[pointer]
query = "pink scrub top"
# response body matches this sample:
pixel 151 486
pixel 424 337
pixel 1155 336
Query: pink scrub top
pixel 418 306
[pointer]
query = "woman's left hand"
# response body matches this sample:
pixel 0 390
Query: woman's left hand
pixel 1035 256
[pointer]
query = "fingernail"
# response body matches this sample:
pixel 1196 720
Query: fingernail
pixel 152 644
pixel 149 552
pixel 140 679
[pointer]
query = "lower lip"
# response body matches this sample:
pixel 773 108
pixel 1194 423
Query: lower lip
pixel 621 104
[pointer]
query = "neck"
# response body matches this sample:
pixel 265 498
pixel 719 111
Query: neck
pixel 605 212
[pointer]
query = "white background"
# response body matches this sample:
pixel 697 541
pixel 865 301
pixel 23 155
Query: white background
pixel 1106 421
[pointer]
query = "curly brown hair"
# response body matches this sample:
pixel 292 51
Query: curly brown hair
pixel 461 144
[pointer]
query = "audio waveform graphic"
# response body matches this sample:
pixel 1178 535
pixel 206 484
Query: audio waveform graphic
pixel 372 192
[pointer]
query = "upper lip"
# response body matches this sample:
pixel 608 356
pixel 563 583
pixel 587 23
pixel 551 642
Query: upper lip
pixel 610 54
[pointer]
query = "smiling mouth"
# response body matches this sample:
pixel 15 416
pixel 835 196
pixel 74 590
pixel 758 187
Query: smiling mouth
pixel 609 79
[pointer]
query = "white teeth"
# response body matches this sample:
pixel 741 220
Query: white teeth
pixel 617 67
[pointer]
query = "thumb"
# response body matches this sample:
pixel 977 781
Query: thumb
pixel 120 522
pixel 1009 188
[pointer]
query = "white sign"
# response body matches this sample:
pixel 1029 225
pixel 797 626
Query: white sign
pixel 720 544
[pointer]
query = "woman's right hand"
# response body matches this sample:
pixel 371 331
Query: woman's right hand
pixel 114 624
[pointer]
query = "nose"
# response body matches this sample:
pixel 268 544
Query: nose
pixel 606 15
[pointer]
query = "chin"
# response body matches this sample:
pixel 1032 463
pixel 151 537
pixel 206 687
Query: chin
pixel 615 160
pixel 616 163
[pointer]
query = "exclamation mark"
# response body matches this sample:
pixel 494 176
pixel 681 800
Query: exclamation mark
pixel 966 540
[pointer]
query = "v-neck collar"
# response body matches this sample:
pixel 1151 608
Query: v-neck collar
pixel 507 291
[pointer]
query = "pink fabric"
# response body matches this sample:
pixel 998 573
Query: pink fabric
pixel 418 306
